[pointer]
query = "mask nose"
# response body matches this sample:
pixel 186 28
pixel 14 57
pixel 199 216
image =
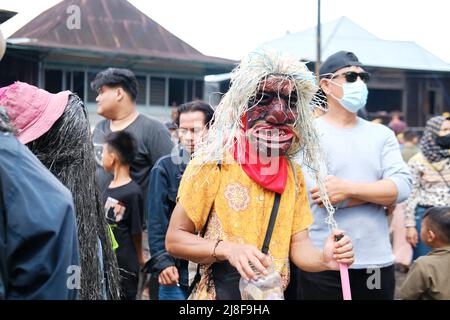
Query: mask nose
pixel 279 113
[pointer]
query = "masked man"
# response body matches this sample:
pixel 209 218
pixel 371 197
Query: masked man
pixel 366 173
pixel 239 176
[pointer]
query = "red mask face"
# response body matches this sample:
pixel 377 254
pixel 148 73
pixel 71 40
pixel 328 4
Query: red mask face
pixel 272 115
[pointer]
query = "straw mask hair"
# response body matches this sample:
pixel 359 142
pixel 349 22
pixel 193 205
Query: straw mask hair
pixel 66 150
pixel 245 85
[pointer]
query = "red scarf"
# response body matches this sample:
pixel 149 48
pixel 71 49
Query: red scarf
pixel 261 172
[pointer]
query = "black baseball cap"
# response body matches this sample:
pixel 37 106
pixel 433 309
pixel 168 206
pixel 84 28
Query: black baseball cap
pixel 338 61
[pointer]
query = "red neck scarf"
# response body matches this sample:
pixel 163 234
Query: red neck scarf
pixel 271 175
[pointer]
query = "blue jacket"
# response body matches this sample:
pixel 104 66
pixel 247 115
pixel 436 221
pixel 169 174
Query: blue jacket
pixel 38 239
pixel 165 179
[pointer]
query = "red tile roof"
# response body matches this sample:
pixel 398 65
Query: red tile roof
pixel 110 26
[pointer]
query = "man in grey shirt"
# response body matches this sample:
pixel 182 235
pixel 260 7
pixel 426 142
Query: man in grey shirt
pixel 116 101
pixel 366 173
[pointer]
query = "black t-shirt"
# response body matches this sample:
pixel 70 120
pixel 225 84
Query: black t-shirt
pixel 123 207
pixel 153 142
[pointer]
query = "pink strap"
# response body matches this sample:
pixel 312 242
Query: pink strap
pixel 345 281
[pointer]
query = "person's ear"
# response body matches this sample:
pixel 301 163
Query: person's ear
pixel 431 236
pixel 325 85
pixel 113 158
pixel 120 94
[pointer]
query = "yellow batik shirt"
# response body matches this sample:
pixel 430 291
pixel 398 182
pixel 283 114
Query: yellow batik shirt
pixel 240 211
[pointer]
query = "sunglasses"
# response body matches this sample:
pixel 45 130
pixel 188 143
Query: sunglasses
pixel 352 76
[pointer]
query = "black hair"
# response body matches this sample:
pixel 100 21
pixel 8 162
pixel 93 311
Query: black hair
pixel 115 77
pixel 409 135
pixel 201 106
pixel 439 221
pixel 123 144
pixel 5 123
pixel 66 149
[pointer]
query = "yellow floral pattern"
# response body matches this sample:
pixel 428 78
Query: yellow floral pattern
pixel 238 196
pixel 241 211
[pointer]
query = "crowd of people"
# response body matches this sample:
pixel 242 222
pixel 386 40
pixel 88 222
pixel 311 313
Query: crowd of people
pixel 427 156
pixel 283 178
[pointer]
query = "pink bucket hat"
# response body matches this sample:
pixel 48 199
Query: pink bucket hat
pixel 32 111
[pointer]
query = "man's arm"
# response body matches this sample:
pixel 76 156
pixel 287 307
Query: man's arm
pixel 349 193
pixel 307 257
pixel 137 240
pixel 412 235
pixel 413 199
pixel 98 139
pixel 394 186
pixel 182 242
pixel 383 192
pixel 157 210
pixel 158 213
pixel 395 169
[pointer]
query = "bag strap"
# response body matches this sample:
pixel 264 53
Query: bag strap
pixel 273 214
pixel 270 227
pixel 440 173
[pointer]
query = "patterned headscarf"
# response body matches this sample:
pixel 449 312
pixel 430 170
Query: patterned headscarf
pixel 430 149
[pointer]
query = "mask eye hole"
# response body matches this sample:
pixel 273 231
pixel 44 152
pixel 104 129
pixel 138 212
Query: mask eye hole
pixel 293 101
pixel 263 98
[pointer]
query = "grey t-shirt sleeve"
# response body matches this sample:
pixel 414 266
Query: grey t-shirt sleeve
pixel 158 143
pixel 99 133
pixel 394 168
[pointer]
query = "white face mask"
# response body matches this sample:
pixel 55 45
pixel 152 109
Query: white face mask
pixel 355 95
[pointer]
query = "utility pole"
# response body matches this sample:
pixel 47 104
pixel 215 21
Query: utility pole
pixel 318 49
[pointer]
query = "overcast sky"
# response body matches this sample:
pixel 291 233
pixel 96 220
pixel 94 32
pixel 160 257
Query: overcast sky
pixel 231 28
